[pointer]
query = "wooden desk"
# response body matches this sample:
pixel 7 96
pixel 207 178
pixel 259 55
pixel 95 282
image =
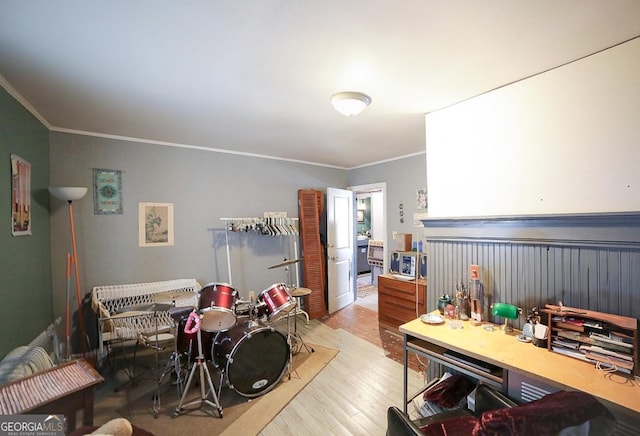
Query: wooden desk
pixel 510 355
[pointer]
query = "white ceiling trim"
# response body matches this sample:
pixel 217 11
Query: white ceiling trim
pixel 23 101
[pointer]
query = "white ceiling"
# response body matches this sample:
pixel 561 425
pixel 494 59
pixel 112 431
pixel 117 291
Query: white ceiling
pixel 256 76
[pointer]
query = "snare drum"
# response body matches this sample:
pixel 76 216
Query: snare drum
pixel 217 304
pixel 277 301
pixel 187 343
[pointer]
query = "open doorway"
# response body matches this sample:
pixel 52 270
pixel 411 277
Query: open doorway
pixel 371 229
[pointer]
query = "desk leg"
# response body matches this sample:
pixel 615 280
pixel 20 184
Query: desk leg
pixel 405 365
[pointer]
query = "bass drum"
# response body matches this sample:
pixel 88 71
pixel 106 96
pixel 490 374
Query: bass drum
pixel 254 357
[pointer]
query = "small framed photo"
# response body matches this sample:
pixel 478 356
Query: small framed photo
pixel 155 224
pixel 360 215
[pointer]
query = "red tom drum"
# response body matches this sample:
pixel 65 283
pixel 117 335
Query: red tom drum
pixel 277 301
pixel 217 304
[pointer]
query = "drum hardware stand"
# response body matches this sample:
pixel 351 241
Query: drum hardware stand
pixel 299 341
pixel 173 364
pixel 153 345
pixel 294 340
pixel 200 364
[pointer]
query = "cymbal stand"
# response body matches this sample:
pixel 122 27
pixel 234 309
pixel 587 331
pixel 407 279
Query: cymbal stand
pixel 291 341
pixel 201 365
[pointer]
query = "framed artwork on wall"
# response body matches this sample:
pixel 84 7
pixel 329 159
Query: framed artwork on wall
pixel 360 215
pixel 20 196
pixel 107 192
pixel 155 224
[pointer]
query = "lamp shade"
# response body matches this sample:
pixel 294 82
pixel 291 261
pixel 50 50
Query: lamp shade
pixel 350 103
pixel 68 193
pixel 505 310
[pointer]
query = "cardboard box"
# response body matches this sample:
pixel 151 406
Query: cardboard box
pixel 403 242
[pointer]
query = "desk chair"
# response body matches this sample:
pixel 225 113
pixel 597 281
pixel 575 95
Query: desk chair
pixel 570 412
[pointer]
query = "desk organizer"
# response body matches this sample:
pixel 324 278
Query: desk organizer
pixel 608 341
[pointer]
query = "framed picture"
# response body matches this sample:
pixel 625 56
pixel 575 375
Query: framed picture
pixel 421 198
pixel 20 196
pixel 107 192
pixel 155 224
pixel 360 215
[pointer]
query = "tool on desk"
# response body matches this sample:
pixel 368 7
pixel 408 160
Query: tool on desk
pixel 562 309
pixel 462 302
pixel 506 311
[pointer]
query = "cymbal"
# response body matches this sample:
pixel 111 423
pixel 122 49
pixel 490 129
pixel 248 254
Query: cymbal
pixel 124 315
pixel 169 296
pixel 285 263
pixel 300 292
pixel 151 307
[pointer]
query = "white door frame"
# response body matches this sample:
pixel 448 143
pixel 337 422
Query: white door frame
pixel 380 186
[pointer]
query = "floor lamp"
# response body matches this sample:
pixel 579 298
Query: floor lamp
pixel 69 194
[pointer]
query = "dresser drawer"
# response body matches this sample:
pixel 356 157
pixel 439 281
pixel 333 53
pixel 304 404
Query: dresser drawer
pixel 397 301
pixel 401 289
pixel 394 311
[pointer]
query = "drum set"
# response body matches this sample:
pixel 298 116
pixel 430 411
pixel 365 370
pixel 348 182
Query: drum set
pixel 237 337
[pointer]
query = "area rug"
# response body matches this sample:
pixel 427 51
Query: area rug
pixel 240 415
pixel 364 291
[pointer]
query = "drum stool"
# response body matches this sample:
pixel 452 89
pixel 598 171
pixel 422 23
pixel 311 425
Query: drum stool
pixel 298 293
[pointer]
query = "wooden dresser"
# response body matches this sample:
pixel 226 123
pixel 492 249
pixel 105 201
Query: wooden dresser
pixel 397 300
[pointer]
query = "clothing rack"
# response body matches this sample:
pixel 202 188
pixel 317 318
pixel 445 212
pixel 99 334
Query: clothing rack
pixel 268 226
pixel 271 226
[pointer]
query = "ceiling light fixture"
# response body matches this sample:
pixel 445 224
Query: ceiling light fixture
pixel 350 103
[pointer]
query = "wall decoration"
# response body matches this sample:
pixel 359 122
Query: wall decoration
pixel 360 215
pixel 107 192
pixel 155 224
pixel 20 196
pixel 421 198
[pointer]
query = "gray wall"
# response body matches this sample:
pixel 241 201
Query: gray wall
pixel 586 261
pixel 25 268
pixel 403 177
pixel 204 186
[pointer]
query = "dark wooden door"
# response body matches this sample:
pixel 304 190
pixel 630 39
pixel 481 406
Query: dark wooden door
pixel 310 209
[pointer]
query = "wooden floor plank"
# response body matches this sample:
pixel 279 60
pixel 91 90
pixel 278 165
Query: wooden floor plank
pixel 352 394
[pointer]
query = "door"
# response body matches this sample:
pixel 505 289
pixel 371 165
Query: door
pixel 339 248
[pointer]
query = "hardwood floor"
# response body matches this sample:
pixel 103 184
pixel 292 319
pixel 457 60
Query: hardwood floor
pixel 352 394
